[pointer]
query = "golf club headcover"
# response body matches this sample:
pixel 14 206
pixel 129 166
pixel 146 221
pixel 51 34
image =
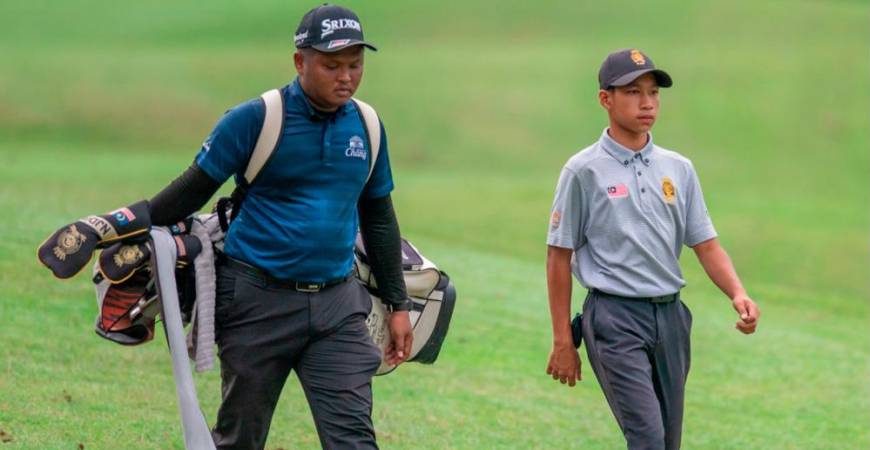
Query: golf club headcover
pixel 182 227
pixel 187 247
pixel 121 260
pixel 70 248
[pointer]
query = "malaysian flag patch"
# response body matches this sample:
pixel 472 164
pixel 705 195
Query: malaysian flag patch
pixel 617 191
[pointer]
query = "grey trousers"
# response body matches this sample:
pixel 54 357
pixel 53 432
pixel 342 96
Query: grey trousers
pixel 640 354
pixel 265 330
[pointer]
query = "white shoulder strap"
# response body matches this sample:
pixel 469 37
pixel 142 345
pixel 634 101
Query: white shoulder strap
pixel 373 129
pixel 270 134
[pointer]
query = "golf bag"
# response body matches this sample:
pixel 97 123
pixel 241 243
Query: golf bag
pixel 433 296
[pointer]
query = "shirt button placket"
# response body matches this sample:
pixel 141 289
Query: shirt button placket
pixel 636 168
pixel 325 145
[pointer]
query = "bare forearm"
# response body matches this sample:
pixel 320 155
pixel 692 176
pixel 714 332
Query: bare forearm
pixel 559 292
pixel 719 268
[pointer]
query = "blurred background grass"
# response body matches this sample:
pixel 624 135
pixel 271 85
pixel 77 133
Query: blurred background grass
pixel 103 103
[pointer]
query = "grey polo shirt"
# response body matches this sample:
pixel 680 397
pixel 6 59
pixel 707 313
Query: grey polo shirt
pixel 626 215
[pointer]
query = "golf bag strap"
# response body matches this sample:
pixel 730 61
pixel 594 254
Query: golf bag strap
pixel 373 130
pixel 270 134
pixel 267 142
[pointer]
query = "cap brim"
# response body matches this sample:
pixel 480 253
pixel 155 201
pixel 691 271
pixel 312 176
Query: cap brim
pixel 662 78
pixel 341 44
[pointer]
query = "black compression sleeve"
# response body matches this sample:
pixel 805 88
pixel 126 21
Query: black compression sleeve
pixel 380 233
pixel 183 197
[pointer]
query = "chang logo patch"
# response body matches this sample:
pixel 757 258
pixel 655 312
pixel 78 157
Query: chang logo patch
pixel 356 148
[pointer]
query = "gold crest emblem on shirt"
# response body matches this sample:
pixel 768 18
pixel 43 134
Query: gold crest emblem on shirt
pixel 127 255
pixel 668 190
pixel 68 242
pixel 637 57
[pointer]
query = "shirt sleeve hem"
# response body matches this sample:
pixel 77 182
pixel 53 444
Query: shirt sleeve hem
pixel 560 241
pixel 206 165
pixel 378 193
pixel 701 236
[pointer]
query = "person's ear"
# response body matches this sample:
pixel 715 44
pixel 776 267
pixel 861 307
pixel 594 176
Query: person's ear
pixel 299 61
pixel 605 98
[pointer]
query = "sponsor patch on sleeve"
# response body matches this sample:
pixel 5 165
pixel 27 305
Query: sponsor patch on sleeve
pixel 555 220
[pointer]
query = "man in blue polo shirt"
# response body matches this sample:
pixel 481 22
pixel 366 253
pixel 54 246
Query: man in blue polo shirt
pixel 286 299
pixel 623 209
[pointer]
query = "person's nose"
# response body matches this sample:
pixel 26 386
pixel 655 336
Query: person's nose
pixel 344 75
pixel 647 102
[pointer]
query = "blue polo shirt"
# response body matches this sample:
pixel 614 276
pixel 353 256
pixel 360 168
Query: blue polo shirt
pixel 299 220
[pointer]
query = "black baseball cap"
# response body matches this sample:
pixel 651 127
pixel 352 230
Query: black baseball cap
pixel 624 66
pixel 329 28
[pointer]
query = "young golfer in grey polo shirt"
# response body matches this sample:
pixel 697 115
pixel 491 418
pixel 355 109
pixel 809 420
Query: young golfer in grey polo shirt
pixel 623 209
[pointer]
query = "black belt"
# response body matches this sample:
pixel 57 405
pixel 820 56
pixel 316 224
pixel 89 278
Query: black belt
pixel 269 280
pixel 660 299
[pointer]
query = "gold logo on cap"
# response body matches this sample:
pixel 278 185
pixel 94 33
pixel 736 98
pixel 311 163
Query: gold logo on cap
pixel 637 57
pixel 68 242
pixel 668 190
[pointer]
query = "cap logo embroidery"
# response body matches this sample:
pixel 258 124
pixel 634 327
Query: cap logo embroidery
pixel 337 43
pixel 556 220
pixel 299 37
pixel 637 57
pixel 356 148
pixel 618 191
pixel 668 190
pixel 329 26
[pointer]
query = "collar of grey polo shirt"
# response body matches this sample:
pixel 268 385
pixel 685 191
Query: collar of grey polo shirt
pixel 313 113
pixel 624 154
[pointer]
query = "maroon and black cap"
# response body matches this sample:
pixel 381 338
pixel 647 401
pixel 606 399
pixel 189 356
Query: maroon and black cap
pixel 330 28
pixel 624 66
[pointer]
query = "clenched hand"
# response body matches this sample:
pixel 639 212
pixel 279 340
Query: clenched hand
pixel 564 364
pixel 748 312
pixel 401 338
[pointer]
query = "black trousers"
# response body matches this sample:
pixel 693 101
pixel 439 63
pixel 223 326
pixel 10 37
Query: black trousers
pixel 640 354
pixel 264 331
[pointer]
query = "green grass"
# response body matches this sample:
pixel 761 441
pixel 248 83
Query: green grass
pixel 103 103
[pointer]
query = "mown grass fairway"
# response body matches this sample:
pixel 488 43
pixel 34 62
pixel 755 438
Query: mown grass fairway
pixel 103 103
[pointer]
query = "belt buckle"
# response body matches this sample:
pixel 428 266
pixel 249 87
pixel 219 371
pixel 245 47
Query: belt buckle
pixel 308 287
